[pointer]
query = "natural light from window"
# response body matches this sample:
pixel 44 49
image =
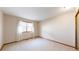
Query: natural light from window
pixel 25 27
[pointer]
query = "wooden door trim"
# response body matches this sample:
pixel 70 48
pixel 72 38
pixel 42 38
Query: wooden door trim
pixel 76 46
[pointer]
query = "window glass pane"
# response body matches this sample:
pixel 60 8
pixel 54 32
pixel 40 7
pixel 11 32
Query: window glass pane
pixel 22 26
pixel 29 26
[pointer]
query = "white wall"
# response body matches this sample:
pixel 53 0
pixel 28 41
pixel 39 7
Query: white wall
pixel 36 28
pixel 60 28
pixel 1 29
pixel 10 26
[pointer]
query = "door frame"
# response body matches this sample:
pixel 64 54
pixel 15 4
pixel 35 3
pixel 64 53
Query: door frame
pixel 76 40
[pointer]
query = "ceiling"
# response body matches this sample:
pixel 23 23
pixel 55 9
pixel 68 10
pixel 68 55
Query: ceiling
pixel 33 13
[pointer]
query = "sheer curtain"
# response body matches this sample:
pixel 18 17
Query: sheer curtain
pixel 24 27
pixel 20 28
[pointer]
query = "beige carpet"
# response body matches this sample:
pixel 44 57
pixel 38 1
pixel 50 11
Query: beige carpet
pixel 37 44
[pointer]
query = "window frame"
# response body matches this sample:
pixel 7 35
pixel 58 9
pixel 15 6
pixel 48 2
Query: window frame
pixel 26 26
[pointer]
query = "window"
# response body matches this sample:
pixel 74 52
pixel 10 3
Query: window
pixel 25 27
pixel 29 27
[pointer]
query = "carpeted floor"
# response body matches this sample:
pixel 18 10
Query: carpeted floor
pixel 37 44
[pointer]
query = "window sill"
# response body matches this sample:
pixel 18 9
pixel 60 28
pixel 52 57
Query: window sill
pixel 27 32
